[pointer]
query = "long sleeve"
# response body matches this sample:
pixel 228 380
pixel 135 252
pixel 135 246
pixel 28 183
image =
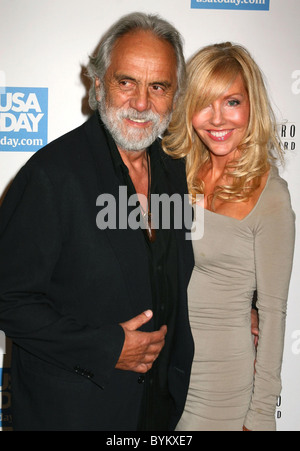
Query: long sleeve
pixel 274 248
pixel 31 242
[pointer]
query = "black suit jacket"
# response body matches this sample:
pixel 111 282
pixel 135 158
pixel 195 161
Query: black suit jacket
pixel 65 286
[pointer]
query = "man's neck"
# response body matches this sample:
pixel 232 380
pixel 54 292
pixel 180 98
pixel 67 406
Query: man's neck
pixel 135 161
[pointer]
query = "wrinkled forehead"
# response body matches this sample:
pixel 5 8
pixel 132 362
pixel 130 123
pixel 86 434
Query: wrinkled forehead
pixel 143 50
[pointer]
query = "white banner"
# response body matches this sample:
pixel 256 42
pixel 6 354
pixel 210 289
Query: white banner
pixel 45 44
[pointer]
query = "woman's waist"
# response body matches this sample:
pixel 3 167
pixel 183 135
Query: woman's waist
pixel 228 343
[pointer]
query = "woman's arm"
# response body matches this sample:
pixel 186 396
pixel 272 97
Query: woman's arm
pixel 274 248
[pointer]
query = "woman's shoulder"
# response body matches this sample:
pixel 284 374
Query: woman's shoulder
pixel 276 195
pixel 277 186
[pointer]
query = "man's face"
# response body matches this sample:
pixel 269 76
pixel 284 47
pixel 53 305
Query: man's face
pixel 139 87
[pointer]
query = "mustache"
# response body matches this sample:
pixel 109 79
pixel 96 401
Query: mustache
pixel 131 113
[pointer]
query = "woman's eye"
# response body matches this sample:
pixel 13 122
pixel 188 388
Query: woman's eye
pixel 233 102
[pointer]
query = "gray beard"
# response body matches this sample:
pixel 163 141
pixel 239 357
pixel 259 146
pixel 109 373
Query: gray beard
pixel 132 139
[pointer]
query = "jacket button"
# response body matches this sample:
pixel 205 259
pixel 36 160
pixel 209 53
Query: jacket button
pixel 83 372
pixel 141 379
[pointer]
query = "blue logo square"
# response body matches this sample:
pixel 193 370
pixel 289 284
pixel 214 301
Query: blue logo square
pixel 23 119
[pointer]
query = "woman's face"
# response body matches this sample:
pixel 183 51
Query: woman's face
pixel 223 124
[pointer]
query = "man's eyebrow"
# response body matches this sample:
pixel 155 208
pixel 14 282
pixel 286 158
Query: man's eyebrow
pixel 122 76
pixel 165 84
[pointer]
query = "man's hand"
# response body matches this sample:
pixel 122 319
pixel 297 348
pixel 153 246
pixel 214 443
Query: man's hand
pixel 254 326
pixel 140 349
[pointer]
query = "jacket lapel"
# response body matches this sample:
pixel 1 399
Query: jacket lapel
pixel 129 245
pixel 176 180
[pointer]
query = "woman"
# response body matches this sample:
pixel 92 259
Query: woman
pixel 225 129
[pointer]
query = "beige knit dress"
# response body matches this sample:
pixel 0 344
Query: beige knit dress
pixel 232 260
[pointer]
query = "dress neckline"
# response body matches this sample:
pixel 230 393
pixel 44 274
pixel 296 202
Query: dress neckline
pixel 253 209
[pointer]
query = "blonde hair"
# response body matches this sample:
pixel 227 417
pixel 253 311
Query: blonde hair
pixel 210 73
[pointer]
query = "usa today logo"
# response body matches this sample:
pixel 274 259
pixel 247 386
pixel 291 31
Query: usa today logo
pixel 258 5
pixel 23 119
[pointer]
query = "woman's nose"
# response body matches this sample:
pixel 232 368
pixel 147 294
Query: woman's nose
pixel 217 117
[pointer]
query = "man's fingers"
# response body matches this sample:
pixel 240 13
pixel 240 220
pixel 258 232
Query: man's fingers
pixel 255 326
pixel 158 335
pixel 140 349
pixel 138 321
pixel 254 322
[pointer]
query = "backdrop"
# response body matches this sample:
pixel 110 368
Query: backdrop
pixel 44 48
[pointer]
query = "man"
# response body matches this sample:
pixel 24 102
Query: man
pixel 98 316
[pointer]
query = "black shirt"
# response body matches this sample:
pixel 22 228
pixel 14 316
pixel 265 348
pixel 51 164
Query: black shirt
pixel 162 257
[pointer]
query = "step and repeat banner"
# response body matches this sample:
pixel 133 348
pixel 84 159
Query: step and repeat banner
pixel 43 91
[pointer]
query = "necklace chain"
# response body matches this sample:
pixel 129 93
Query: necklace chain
pixel 151 233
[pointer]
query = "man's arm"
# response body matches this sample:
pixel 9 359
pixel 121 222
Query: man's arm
pixel 31 241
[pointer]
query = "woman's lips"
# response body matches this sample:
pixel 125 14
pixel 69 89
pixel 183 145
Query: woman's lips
pixel 220 135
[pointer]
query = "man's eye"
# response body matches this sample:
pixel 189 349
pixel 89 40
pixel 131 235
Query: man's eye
pixel 158 89
pixel 125 84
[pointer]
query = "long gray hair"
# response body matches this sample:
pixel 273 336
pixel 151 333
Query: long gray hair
pixel 99 63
